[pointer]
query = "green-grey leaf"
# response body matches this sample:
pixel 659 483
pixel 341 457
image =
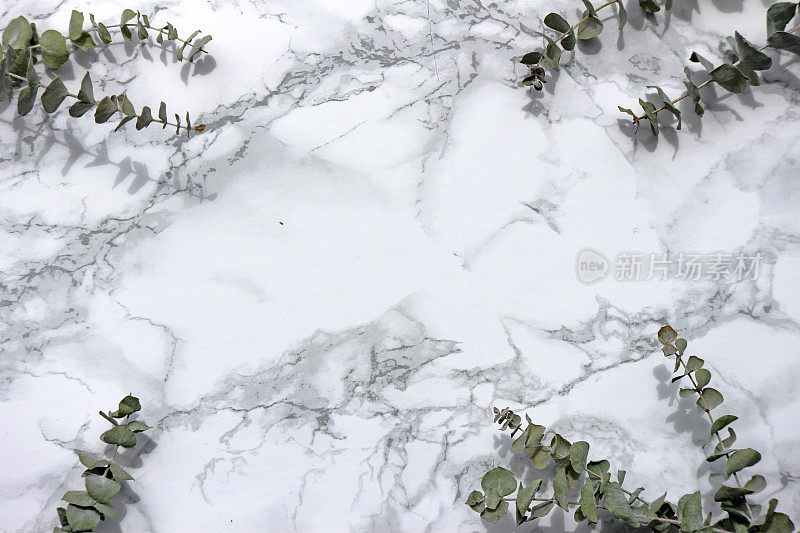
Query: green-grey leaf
pixel 54 49
pixel 86 94
pixel 78 109
pixel 105 509
pixel 623 18
pixel 128 405
pixel 499 479
pixel 120 435
pixel 751 57
pixel 590 28
pixel 103 33
pixel 703 377
pixel 578 453
pixel 141 31
pixel 5 80
pixel 590 8
pixel 119 472
pixel 778 16
pixel 588 505
pixel 525 497
pixel 493 498
pixel 617 503
pixel 493 515
pixel 666 334
pixel 138 426
pixel 560 489
pixel 122 122
pixel 729 78
pixel 101 488
pixel 784 41
pixel 62 517
pixel 649 111
pixel 709 399
pixel 127 14
pixel 125 105
pixel 105 110
pixel 757 483
pixel 81 519
pixel 26 98
pixel 84 41
pixel 722 421
pixel 75 25
pixel 475 500
pixel 185 44
pixel 741 459
pixel 697 58
pixel 54 95
pixel 685 393
pixel 694 363
pixel 18 33
pixel 649 6
pixel 531 58
pixel 556 22
pixel 145 118
pixel 725 493
pixel 680 344
pixel 78 497
pixel 207 39
pixel 692 513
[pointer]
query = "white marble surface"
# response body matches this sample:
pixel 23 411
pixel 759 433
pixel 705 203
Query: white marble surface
pixel 319 299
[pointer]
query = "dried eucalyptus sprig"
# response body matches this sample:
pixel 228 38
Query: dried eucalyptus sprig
pixel 87 508
pixel 745 60
pixel 23 48
pixel 592 483
pixel 588 27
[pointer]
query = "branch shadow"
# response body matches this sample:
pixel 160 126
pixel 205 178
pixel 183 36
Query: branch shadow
pixel 98 154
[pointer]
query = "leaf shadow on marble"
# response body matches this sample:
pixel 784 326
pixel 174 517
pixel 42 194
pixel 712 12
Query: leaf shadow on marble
pixel 76 149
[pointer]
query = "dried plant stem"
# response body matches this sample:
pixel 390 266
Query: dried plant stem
pixel 156 121
pixel 573 28
pixel 716 433
pixel 149 27
pixel 659 518
pixel 705 83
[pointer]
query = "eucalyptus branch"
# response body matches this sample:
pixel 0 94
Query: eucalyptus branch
pixel 87 508
pixel 597 490
pixel 23 48
pixel 588 27
pixel 733 76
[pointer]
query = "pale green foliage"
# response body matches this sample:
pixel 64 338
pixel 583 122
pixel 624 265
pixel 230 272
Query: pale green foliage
pixel 23 48
pixel 102 477
pixel 588 27
pixel 735 75
pixel 597 490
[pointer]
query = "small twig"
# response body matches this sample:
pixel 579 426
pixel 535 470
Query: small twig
pixel 685 94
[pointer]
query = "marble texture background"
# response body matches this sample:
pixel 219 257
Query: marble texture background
pixel 319 299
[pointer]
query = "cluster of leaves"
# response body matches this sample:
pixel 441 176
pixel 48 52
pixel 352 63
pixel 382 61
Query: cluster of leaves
pixel 102 477
pixel 588 27
pixel 23 48
pixel 596 489
pixel 740 71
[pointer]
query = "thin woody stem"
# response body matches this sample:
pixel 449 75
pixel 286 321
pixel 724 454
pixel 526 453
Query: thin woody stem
pixel 707 82
pixel 156 121
pixel 716 433
pixel 148 26
pixel 659 518
pixel 572 28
